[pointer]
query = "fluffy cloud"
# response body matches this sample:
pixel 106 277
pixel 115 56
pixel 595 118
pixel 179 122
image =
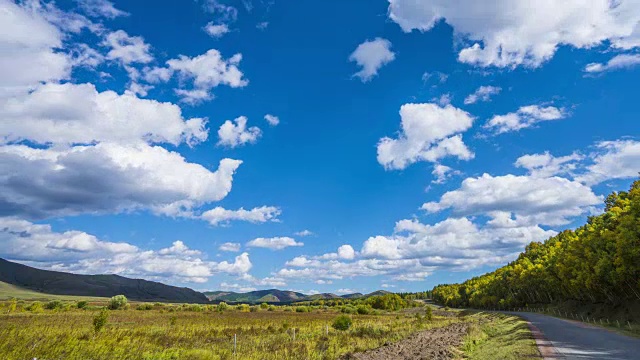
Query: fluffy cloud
pixel 206 72
pixel 71 114
pixel 429 133
pixel 179 248
pixel 220 215
pixel 618 159
pixel 272 119
pixel 547 165
pixel 346 252
pixel 416 250
pixel 525 117
pixel 275 243
pixel 83 253
pixel 105 178
pixel 28 41
pixel 127 49
pixel 483 93
pixel 621 61
pixel 371 55
pixel 606 160
pixel 235 133
pixel 241 265
pixel 336 270
pixel 230 247
pixel 533 200
pixel 510 33
pixel 216 30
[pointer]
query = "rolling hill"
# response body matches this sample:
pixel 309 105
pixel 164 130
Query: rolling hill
pixel 273 295
pixel 60 283
pixel 279 296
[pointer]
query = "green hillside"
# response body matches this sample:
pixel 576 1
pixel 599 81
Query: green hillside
pixel 598 263
pixel 66 284
pixel 8 291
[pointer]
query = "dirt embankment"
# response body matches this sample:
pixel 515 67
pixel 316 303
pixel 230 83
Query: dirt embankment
pixel 430 344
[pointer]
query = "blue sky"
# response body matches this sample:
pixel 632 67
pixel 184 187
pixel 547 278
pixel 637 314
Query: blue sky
pixel 329 147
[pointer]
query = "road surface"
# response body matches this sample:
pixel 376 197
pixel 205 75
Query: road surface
pixel 565 339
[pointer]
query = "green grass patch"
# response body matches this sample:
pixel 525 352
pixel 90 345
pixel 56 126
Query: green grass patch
pixel 500 337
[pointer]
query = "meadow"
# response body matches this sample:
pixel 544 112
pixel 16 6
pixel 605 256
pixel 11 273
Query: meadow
pixel 161 331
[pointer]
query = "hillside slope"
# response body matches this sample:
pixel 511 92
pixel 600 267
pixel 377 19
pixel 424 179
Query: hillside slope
pixel 281 296
pixel 272 295
pixel 598 263
pixel 60 283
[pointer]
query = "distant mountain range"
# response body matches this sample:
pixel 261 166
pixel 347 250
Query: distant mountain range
pixel 60 283
pixel 279 296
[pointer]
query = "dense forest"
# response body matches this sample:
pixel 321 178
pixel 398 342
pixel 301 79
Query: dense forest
pixel 596 263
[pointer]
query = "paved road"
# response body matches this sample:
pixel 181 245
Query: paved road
pixel 575 340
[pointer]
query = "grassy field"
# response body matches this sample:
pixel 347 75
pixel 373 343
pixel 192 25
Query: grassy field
pixel 498 336
pixel 196 332
pixel 8 291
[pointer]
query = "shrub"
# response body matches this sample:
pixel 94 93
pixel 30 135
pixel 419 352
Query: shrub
pixel 369 331
pixel 428 314
pixel 342 323
pixel 222 306
pixel 13 305
pixel 35 306
pixel 194 307
pixel 264 306
pixel 144 306
pixel 271 308
pixel 243 308
pixel 253 309
pixel 53 305
pixel 349 309
pixel 82 304
pixel 100 320
pixel 363 310
pixel 302 309
pixel 118 302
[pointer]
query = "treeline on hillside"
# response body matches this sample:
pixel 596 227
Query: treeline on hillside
pixel 386 302
pixel 597 263
pixel 423 295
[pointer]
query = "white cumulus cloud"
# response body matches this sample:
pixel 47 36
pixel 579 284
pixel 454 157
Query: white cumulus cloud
pixel 261 214
pixel 106 178
pixel 235 133
pixel 371 55
pixel 78 113
pixel 618 62
pixel 525 117
pixel 533 200
pixel 428 133
pixel 510 33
